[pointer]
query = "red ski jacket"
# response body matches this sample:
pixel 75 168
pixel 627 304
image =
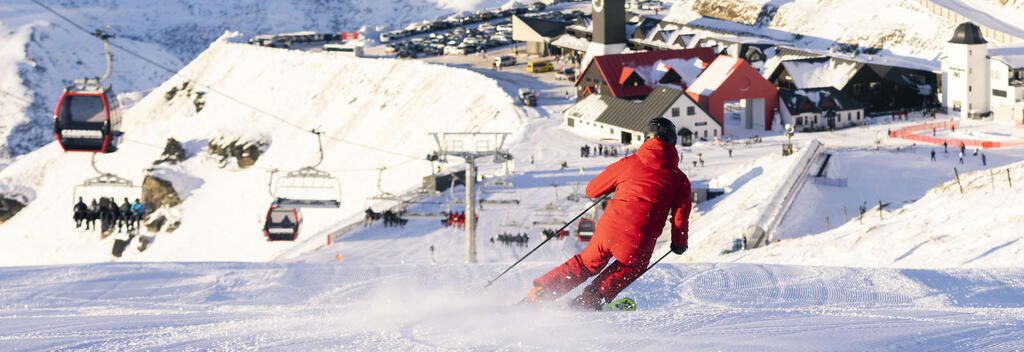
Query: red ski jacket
pixel 647 186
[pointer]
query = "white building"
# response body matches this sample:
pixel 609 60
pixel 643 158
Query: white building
pixel 978 80
pixel 622 120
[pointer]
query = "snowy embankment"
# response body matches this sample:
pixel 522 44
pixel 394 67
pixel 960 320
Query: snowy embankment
pixel 355 307
pixel 41 53
pixel 979 228
pixel 373 112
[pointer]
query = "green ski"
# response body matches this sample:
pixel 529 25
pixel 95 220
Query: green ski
pixel 624 304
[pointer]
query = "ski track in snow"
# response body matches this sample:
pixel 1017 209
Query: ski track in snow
pixel 233 306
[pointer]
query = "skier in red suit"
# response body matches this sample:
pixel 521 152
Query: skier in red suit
pixel 648 186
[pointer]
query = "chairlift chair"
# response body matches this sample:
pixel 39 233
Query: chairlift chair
pixel 307 188
pixel 108 186
pixel 585 230
pixel 282 223
pixel 500 197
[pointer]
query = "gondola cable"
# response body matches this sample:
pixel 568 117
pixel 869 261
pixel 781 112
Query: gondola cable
pixel 215 90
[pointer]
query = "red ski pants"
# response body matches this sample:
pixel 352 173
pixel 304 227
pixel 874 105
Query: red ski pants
pixel 629 264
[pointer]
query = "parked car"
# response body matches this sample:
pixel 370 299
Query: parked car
pixel 454 50
pixel 505 61
pixel 567 74
pixel 539 66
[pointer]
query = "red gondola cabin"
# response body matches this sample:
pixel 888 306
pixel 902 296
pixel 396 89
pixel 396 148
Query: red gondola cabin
pixel 282 224
pixel 87 118
pixel 585 230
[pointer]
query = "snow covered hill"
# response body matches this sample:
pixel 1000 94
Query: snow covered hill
pixel 980 228
pixel 40 53
pixel 374 113
pixel 901 27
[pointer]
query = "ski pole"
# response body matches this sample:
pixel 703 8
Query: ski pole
pixel 645 270
pixel 489 283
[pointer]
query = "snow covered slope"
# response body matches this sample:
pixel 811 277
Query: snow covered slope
pixel 370 307
pixel 40 53
pixel 374 113
pixel 980 228
pixel 901 27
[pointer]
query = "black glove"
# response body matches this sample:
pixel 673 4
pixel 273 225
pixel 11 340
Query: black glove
pixel 678 250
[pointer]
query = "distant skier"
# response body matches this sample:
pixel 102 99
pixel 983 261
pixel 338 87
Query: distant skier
pixel 961 157
pixel 648 186
pixel 933 154
pixel 983 161
pixel 945 147
pixel 81 212
pixel 137 211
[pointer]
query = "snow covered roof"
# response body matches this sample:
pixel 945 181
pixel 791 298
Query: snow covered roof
pixel 817 100
pixel 1011 55
pixel 646 63
pixel 568 41
pixel 821 72
pixel 714 75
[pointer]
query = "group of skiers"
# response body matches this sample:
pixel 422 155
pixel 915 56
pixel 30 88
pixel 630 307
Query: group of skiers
pixel 600 150
pixel 455 219
pixel 124 216
pixel 548 233
pixel 508 239
pixel 963 152
pixel 388 218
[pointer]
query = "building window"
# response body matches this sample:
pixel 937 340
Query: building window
pixel 969 88
pixel 858 114
pixel 675 112
pixel 570 122
pixel 702 123
pixel 690 111
pixel 999 93
pixel 705 133
pixel 715 131
pixel 799 121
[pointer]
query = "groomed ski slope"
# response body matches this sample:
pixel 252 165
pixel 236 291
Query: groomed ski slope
pixel 422 307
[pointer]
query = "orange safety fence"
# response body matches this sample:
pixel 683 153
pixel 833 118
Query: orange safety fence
pixel 912 133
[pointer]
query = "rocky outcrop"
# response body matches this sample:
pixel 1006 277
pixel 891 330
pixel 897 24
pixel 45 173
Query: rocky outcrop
pixel 245 151
pixel 158 193
pixel 9 207
pixel 730 10
pixel 186 90
pixel 173 153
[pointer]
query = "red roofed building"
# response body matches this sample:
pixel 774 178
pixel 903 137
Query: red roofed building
pixel 730 79
pixel 633 75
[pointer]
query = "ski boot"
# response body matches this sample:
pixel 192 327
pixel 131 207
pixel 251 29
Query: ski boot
pixel 536 295
pixel 589 300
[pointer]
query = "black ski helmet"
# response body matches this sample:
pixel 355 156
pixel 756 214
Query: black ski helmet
pixel 663 129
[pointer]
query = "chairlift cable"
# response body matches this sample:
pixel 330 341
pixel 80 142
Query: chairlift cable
pixel 213 89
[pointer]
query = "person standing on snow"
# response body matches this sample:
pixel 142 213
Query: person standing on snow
pixel 648 186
